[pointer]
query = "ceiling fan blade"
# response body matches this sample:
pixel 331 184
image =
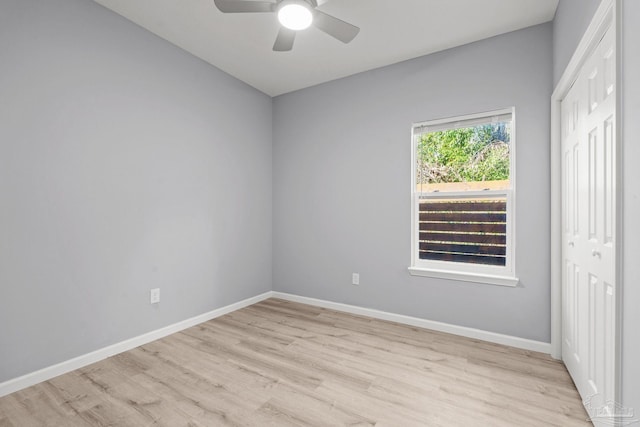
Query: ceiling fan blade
pixel 240 6
pixel 284 41
pixel 335 27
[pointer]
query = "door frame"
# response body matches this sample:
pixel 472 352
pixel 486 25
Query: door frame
pixel 605 17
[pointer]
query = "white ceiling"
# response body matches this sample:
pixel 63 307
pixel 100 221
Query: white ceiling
pixel 390 31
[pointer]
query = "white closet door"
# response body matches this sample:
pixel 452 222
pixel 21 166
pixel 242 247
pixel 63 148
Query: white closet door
pixel 589 221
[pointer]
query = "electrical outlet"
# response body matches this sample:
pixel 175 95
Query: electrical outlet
pixel 355 279
pixel 154 296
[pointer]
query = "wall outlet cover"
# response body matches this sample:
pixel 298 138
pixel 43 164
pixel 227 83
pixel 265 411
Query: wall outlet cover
pixel 154 296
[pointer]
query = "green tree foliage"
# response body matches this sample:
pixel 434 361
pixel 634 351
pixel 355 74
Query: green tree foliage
pixel 478 153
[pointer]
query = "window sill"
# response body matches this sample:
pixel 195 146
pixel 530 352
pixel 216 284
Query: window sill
pixel 466 277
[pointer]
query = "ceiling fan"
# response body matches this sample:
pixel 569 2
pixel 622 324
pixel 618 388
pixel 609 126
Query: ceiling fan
pixel 294 15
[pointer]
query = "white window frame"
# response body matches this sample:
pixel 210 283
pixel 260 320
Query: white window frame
pixel 478 273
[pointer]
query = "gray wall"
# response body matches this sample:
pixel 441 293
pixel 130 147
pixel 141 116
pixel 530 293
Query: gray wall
pixel 630 90
pixel 125 164
pixel 341 162
pixel 571 21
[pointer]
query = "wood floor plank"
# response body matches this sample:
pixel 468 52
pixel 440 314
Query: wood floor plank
pixel 279 363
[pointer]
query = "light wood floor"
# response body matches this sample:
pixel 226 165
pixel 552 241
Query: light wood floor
pixel 279 363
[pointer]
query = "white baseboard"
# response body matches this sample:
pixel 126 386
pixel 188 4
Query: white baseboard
pixel 45 374
pixel 478 334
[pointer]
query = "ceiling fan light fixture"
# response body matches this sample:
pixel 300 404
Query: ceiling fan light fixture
pixel 295 15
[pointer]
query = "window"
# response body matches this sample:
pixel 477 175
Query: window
pixel 463 198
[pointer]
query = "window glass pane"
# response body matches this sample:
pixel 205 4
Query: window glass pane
pixel 470 230
pixel 467 158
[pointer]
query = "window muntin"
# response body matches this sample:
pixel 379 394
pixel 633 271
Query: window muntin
pixel 462 188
